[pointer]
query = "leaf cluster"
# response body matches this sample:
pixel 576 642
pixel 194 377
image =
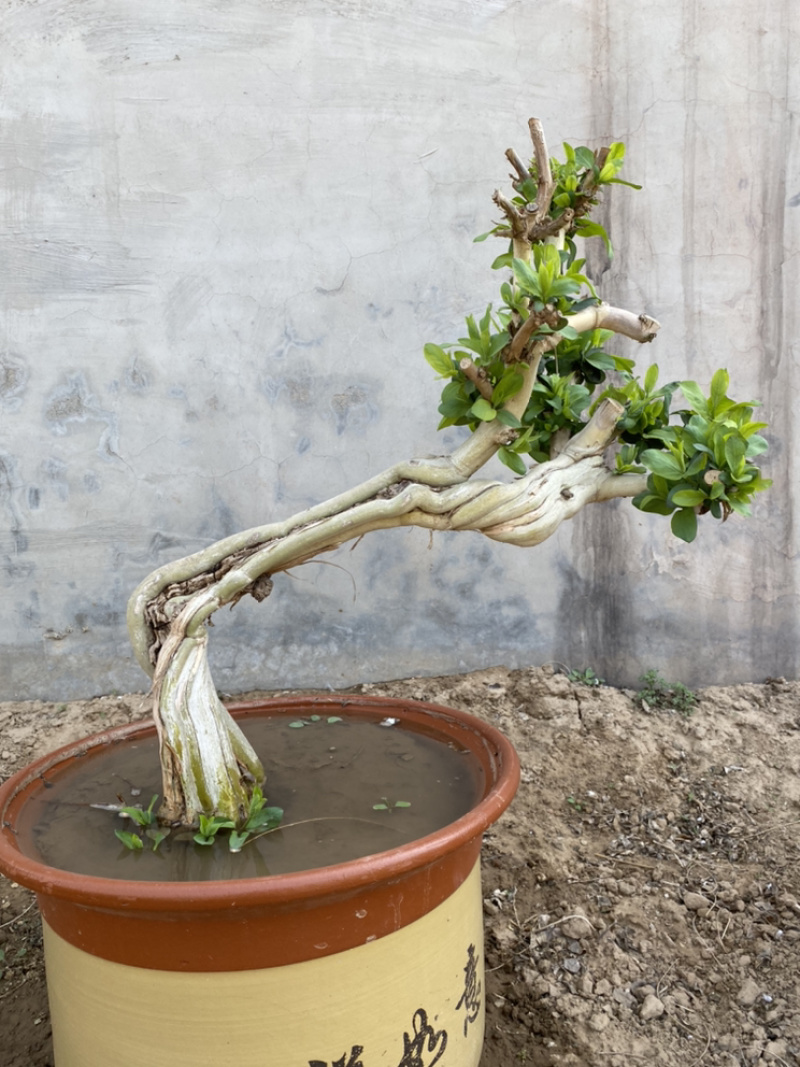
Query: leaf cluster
pixel 703 464
pixel 657 692
pixel 260 819
pixel 698 458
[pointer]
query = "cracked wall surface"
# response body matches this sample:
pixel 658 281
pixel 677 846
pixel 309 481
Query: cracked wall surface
pixel 227 230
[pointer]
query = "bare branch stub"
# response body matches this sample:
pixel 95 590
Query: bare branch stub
pixel 478 377
pixel 544 176
pixel 522 171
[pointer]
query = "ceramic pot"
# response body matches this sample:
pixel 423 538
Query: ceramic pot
pixel 377 962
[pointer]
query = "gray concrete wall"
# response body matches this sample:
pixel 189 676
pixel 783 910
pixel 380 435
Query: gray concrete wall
pixel 229 226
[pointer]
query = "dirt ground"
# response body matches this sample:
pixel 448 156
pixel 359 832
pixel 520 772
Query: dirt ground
pixel 642 895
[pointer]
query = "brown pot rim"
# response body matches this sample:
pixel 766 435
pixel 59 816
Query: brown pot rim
pixel 490 746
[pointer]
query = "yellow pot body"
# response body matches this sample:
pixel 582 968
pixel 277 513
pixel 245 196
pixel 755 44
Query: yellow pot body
pixel 413 998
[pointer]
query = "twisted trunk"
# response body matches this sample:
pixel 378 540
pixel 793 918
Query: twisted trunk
pixel 207 764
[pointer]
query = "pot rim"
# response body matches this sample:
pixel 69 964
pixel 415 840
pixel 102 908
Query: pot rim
pixel 489 746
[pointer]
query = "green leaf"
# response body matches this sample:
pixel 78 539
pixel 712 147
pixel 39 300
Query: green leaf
pixel 584 157
pixel 512 461
pixel 334 718
pixel 498 343
pixel 585 228
pixel 265 819
pixel 740 507
pixel 695 397
pixel 402 803
pixel 136 815
pixel 507 419
pixel 688 498
pixel 156 836
pixel 651 378
pixel 503 261
pixel 662 464
pixel 236 840
pixel 719 389
pixel 698 464
pixel 380 807
pixel 129 840
pixel 508 386
pixel 735 449
pixel 527 279
pixel 483 410
pixel 439 360
pixel 619 181
pixel 684 524
pixel 653 504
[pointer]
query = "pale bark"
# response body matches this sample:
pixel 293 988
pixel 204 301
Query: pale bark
pixel 208 766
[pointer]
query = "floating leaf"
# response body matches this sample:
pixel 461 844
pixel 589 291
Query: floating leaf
pixel 129 840
pixel 156 836
pixel 236 840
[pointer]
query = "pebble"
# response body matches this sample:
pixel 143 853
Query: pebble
pixel 576 927
pixel 695 901
pixel 652 1008
pixel 749 993
pixel 776 1050
pixel 598 1022
pixel 623 997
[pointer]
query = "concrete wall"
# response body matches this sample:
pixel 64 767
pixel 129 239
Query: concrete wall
pixel 229 226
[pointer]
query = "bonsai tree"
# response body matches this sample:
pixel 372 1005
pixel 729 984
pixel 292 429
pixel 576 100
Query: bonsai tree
pixel 533 382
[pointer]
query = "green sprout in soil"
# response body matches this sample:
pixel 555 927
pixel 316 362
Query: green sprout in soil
pixel 657 693
pixel 586 677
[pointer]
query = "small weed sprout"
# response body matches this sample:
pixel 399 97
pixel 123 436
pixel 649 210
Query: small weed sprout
pixel 657 693
pixel 145 818
pixel 585 677
pixel 385 805
pixel 259 818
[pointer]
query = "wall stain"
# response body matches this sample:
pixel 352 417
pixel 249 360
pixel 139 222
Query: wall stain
pixel 72 406
pixel 14 374
pixel 596 620
pixel 55 473
pixel 137 376
pixel 9 484
pixel 352 410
